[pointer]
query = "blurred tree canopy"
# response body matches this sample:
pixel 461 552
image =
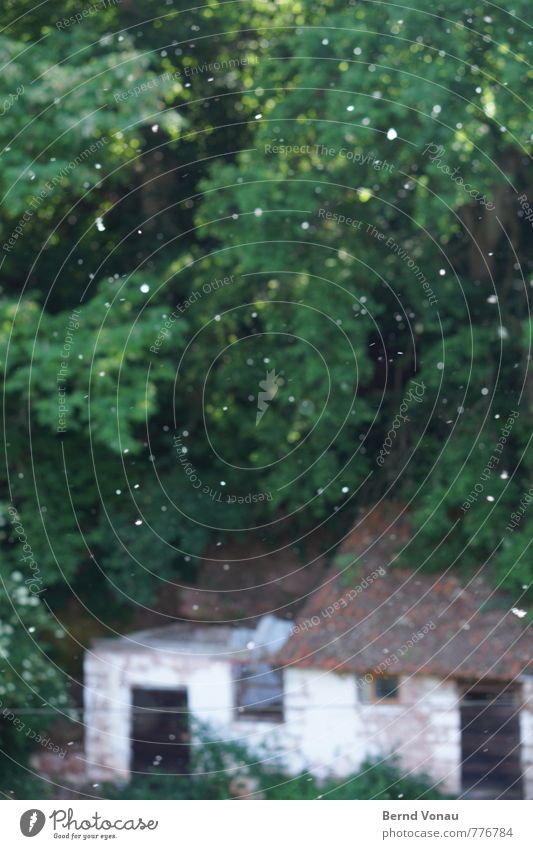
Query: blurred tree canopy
pixel 152 154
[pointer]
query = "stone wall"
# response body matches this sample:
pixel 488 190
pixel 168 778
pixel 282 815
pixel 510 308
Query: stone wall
pixel 110 677
pixel 526 735
pixel 333 731
pixel 327 728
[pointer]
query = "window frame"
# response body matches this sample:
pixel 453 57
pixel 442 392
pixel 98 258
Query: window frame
pixel 256 713
pixel 368 692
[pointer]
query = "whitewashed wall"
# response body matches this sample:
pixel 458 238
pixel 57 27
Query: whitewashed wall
pixel 109 680
pixel 327 729
pixel 334 731
pixel 526 734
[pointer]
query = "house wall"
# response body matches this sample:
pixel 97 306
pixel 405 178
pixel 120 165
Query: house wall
pixel 526 735
pixel 110 677
pixel 329 729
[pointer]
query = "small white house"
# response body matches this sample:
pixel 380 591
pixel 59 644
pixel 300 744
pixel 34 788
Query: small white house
pixel 142 690
pixel 392 661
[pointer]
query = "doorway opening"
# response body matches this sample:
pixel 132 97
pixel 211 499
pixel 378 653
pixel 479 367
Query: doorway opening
pixel 160 737
pixel 490 741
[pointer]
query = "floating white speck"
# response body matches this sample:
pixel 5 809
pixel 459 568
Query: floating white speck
pixel 490 498
pixel 100 225
pixel 350 108
pixel 155 128
pixel 145 288
pixel 492 299
pixel 258 212
pixel 392 134
pixel 345 489
pixel 518 612
pixel 442 272
pixel 138 521
pixel 484 391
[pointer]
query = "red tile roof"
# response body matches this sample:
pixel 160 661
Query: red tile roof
pixel 400 621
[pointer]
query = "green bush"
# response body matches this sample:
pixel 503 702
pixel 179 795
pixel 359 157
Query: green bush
pixel 217 766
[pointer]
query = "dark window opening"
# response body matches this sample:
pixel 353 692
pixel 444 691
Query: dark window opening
pixel 386 687
pixel 258 692
pixel 159 731
pixel 381 688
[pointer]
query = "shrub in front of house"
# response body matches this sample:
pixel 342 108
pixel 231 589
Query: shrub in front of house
pixel 229 771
